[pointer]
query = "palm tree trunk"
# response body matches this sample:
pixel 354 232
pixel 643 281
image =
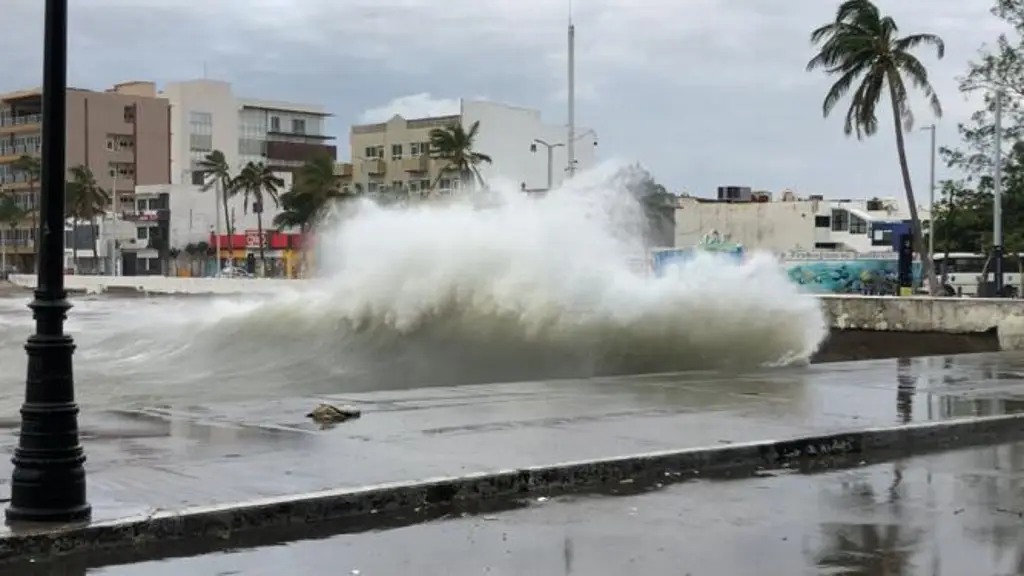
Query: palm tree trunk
pixel 35 226
pixel 259 230
pixel 95 246
pixel 229 230
pixel 74 242
pixel 915 220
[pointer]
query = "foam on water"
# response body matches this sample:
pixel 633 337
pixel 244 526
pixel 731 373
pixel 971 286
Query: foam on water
pixel 524 288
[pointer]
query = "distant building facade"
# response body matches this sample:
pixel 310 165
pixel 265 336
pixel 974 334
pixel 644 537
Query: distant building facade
pixel 758 222
pixel 396 154
pixel 122 135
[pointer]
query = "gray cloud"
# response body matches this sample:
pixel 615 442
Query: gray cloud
pixel 704 92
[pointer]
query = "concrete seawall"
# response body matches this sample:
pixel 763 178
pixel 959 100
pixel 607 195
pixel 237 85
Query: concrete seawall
pixel 935 325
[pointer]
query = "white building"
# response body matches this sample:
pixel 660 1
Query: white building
pixel 792 224
pixel 507 135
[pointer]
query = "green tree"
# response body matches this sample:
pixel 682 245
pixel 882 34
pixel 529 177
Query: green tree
pixel 863 49
pixel 964 215
pixel 316 186
pixel 31 167
pixel 84 200
pixel 454 145
pixel 217 177
pixel 11 214
pixel 258 183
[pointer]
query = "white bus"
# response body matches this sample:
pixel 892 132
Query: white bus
pixel 961 272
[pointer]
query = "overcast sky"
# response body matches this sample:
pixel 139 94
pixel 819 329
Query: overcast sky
pixel 703 92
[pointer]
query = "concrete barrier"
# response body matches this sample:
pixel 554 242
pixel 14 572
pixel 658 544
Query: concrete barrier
pixel 919 314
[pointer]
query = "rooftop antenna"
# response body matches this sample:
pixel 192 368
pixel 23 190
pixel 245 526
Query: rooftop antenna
pixel 570 143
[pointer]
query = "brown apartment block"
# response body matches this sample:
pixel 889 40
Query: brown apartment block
pixel 122 135
pixel 396 155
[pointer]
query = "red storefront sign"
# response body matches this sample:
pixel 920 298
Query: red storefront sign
pixel 250 240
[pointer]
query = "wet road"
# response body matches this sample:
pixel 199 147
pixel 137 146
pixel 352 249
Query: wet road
pixel 953 514
pixel 166 458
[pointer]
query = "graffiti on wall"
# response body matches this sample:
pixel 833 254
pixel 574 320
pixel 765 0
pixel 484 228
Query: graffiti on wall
pixel 860 276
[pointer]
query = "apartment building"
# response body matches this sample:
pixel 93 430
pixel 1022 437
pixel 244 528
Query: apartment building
pixel 396 154
pixel 122 135
pixel 207 115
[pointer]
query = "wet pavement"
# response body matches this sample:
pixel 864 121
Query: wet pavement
pixel 165 458
pixel 951 514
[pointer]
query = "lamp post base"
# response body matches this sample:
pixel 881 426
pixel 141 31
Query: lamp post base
pixel 48 483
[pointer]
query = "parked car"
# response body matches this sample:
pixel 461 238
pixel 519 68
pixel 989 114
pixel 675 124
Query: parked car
pixel 234 272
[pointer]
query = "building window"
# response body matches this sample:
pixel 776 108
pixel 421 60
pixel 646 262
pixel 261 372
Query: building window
pixel 396 151
pixel 298 126
pixel 129 113
pixel 822 221
pixel 858 225
pixel 414 149
pixel 198 177
pixel 840 219
pixel 142 233
pixel 275 124
pixel 200 143
pixel 200 118
pixel 373 187
pixel 881 237
pixel 200 126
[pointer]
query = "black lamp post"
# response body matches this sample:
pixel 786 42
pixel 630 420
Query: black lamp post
pixel 48 484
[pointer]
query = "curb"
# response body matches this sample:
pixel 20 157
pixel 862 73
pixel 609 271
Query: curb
pixel 223 523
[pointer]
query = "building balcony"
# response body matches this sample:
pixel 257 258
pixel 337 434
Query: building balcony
pixel 10 124
pixel 416 164
pixel 343 169
pixel 374 166
pixel 11 152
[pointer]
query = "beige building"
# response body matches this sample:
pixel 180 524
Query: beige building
pixel 122 135
pixel 396 155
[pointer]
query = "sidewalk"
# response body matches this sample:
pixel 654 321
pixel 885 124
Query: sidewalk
pixel 956 510
pixel 160 459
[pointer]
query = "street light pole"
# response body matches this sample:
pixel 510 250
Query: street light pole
pixel 48 483
pixel 571 140
pixel 931 209
pixel 551 158
pixel 997 198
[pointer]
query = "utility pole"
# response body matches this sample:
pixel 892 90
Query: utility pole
pixel 931 212
pixel 571 140
pixel 997 198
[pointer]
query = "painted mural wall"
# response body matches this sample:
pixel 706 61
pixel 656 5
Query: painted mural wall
pixel 817 272
pixel 845 273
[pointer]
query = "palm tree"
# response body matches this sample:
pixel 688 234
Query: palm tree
pixel 217 176
pixel 11 214
pixel 861 46
pixel 31 167
pixel 257 182
pixel 454 145
pixel 84 200
pixel 315 187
